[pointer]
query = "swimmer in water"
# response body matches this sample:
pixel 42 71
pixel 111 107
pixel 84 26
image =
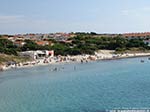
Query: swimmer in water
pixel 74 67
pixel 55 69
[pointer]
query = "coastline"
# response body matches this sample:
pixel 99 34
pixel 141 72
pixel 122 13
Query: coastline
pixel 137 56
pixel 99 56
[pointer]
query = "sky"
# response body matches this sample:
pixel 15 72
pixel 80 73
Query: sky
pixel 50 16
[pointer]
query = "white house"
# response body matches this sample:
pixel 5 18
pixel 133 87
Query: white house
pixel 39 54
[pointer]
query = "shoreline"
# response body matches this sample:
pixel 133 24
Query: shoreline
pixel 104 55
pixel 127 57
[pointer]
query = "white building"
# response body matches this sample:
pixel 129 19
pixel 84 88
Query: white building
pixel 39 54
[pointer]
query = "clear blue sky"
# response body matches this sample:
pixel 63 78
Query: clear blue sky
pixel 101 16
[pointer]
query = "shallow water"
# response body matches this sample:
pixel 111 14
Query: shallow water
pixel 89 87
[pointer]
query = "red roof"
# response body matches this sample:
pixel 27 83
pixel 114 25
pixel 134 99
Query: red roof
pixel 42 42
pixel 137 34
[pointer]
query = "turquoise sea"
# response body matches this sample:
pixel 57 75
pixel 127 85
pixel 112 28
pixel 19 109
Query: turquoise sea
pixel 75 87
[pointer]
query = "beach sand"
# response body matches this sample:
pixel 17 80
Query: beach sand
pixel 100 55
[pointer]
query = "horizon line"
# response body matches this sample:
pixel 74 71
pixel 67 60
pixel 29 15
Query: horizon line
pixel 73 32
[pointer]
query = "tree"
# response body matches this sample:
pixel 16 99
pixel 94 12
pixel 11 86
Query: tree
pixel 30 45
pixel 7 47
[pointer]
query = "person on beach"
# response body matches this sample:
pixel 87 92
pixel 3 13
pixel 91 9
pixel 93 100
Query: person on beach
pixel 81 61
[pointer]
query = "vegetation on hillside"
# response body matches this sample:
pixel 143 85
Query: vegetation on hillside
pixel 11 58
pixel 7 47
pixel 81 44
pixel 88 45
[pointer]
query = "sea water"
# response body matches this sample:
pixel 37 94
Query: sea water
pixel 76 87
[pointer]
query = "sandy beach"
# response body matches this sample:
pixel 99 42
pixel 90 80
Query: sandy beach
pixel 100 55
